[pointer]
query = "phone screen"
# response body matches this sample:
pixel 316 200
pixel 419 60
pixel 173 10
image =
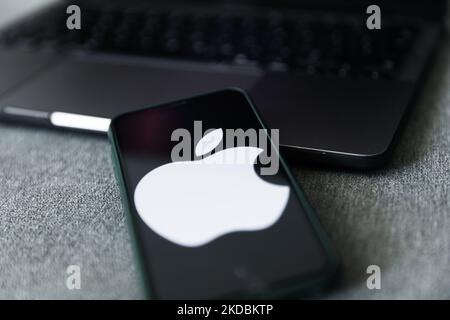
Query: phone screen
pixel 209 227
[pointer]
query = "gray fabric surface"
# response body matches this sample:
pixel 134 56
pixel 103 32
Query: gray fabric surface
pixel 60 205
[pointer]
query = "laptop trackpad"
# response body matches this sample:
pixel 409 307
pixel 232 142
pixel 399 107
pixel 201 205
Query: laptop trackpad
pixel 108 88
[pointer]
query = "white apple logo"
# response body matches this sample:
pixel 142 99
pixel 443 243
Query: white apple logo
pixel 194 202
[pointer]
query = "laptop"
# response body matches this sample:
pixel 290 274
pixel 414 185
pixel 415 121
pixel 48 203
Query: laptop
pixel 337 91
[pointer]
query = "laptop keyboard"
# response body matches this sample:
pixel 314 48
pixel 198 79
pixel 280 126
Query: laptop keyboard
pixel 275 42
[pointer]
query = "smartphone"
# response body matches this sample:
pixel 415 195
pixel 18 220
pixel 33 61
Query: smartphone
pixel 214 210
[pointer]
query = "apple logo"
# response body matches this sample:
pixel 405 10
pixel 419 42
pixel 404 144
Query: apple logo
pixel 191 203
